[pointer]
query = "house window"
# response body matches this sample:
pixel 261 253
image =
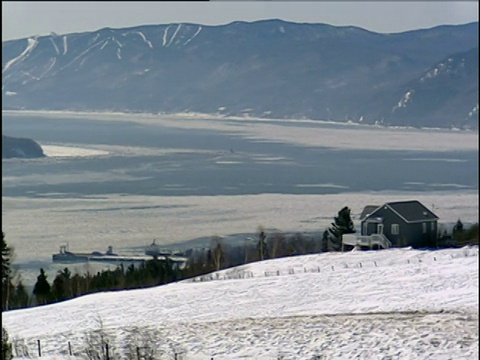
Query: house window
pixel 433 226
pixel 395 229
pixel 380 229
pixel 365 228
pixel 424 228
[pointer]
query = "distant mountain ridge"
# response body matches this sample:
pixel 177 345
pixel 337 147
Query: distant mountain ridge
pixel 271 69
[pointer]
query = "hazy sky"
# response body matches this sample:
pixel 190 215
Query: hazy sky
pixel 24 18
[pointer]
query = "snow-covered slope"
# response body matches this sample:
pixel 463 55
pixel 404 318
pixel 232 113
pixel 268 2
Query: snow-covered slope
pixel 391 304
pixel 268 68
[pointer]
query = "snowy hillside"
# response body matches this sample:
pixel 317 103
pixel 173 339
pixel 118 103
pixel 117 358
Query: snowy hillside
pixel 391 304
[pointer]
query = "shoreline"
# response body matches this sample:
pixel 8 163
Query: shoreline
pixel 319 134
pixel 219 117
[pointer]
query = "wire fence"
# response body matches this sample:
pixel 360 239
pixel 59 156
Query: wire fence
pixel 33 350
pixel 247 274
pixel 22 349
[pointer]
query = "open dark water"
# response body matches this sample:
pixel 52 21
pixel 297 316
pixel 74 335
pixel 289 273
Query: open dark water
pixel 218 163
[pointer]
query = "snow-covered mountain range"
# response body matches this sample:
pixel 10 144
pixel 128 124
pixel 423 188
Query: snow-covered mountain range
pixel 270 68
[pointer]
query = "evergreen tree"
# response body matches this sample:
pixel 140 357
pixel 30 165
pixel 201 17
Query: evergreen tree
pixel 58 288
pixel 458 232
pixel 67 276
pixel 209 262
pixel 42 288
pixel 471 234
pixel 6 253
pixel 79 286
pixel 458 228
pixel 6 346
pixel 325 241
pixel 131 277
pixel 7 286
pixel 342 224
pixel 20 298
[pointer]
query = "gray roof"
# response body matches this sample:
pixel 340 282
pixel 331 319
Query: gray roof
pixel 367 210
pixel 412 211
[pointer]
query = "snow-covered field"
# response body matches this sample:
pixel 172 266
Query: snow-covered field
pixel 390 304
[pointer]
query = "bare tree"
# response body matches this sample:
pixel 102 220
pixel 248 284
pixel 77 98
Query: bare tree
pixel 218 254
pixel 262 245
pixel 277 245
pixel 99 345
pixel 141 344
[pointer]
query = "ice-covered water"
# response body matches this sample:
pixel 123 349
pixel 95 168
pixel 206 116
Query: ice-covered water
pixel 125 179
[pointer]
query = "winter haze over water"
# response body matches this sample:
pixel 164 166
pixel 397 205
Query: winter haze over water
pixel 126 179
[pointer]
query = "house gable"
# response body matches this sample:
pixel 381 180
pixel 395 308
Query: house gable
pixel 367 210
pixel 412 211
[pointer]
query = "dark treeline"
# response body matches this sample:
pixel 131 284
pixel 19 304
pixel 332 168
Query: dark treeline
pixel 159 272
pixel 219 255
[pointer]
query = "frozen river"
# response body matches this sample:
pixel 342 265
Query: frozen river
pixel 123 180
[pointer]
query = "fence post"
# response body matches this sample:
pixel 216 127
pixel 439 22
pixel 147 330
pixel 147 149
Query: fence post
pixel 69 348
pixel 106 351
pixel 138 353
pixel 375 263
pixel 39 349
